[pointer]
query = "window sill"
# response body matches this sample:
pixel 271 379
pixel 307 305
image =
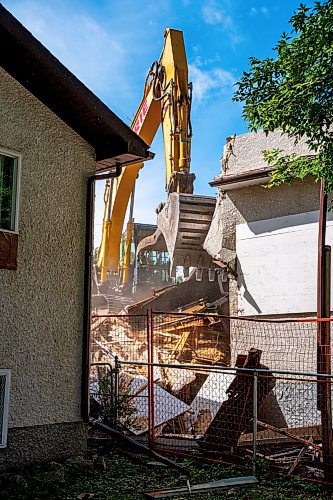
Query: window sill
pixel 8 231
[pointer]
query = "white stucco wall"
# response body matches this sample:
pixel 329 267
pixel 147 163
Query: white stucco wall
pixel 277 264
pixel 250 204
pixel 41 303
pixel 254 203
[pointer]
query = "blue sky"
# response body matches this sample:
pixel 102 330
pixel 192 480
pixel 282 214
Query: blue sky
pixel 110 44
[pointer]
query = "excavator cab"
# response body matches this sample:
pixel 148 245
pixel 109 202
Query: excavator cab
pixel 148 269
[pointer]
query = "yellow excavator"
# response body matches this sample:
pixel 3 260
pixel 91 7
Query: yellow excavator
pixel 184 220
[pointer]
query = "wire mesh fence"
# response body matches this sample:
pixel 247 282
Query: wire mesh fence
pixel 230 388
pixel 289 345
pixel 116 335
pixel 191 338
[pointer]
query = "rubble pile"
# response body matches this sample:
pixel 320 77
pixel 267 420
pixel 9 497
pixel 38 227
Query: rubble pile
pixel 197 404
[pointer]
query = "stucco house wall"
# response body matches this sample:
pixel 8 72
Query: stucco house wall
pixel 255 203
pixel 41 303
pixel 282 349
pixel 247 150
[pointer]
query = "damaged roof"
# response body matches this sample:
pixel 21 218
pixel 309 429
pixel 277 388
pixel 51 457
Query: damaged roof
pixel 42 74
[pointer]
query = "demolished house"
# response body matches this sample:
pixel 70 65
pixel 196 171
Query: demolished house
pixel 251 234
pixel 249 240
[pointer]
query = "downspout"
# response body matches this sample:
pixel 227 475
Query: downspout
pixel 87 286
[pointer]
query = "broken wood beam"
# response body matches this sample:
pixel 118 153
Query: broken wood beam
pixel 135 444
pixel 284 432
pixel 299 458
pixel 236 413
pixel 272 437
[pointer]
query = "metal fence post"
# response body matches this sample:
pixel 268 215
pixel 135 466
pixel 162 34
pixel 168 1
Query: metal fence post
pixel 151 413
pixel 255 418
pixel 116 390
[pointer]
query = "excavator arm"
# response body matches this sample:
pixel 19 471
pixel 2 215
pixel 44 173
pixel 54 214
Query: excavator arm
pixel 166 100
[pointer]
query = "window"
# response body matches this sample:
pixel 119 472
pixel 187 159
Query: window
pixel 10 163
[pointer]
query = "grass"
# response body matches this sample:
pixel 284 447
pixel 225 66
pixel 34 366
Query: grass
pixel 125 479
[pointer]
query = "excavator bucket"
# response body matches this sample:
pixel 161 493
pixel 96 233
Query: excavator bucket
pixel 183 224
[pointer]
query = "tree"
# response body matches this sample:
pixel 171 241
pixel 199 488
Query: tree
pixel 293 92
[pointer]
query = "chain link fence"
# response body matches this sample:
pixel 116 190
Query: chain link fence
pixel 233 389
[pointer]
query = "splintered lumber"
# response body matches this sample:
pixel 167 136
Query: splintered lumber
pixel 98 321
pixel 235 414
pixel 233 482
pixel 284 432
pixel 172 325
pixel 284 454
pixel 181 343
pixel 299 458
pixel 269 437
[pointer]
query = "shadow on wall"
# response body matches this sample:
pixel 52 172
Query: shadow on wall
pixel 242 284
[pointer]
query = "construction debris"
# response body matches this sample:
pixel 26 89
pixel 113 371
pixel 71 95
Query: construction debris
pixel 166 406
pixel 134 444
pixel 197 407
pixel 299 457
pixel 286 433
pixel 273 437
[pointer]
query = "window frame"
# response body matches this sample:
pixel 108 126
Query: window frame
pixel 4 431
pixel 18 157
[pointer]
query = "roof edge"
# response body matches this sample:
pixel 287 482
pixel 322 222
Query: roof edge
pixel 26 54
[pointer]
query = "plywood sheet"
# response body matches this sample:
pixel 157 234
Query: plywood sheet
pixel 166 405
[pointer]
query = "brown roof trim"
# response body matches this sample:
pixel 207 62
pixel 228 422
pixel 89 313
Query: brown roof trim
pixel 34 67
pixel 243 179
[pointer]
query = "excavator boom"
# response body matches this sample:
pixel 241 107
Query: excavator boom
pixel 167 101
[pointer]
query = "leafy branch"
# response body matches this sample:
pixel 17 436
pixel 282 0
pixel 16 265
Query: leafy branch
pixel 293 93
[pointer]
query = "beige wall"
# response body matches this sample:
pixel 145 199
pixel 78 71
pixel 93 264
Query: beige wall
pixel 284 346
pixel 254 203
pixel 41 304
pixel 247 150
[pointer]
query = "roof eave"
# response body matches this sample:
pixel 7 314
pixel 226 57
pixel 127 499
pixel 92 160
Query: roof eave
pixel 42 74
pixel 243 179
pixel 125 160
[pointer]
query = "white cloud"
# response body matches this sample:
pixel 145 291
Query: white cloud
pixel 211 14
pixel 215 14
pixel 208 82
pixel 200 61
pixel 259 10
